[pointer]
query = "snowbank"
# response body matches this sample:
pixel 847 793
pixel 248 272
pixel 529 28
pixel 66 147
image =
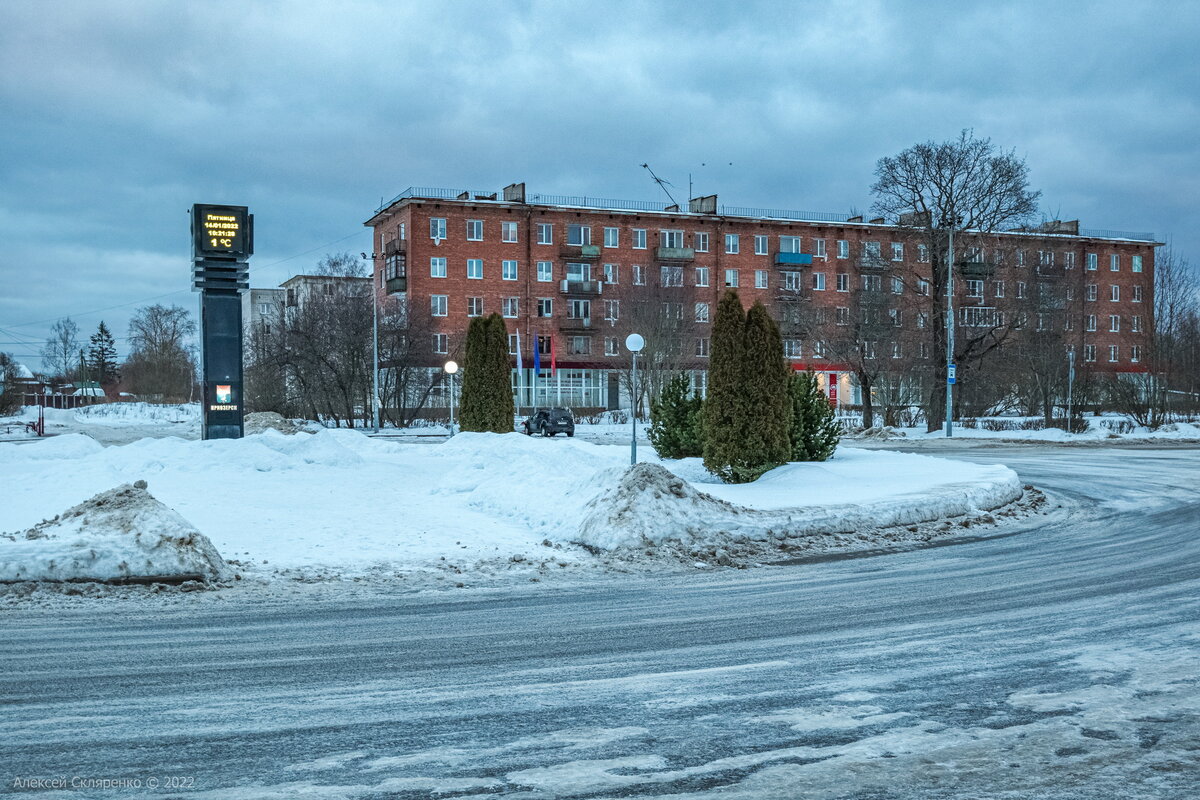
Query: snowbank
pixel 338 503
pixel 119 534
pixel 138 414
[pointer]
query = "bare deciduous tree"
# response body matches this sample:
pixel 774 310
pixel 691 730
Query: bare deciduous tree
pixel 60 354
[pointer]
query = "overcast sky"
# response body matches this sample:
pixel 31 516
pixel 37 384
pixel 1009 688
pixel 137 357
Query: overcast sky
pixel 118 115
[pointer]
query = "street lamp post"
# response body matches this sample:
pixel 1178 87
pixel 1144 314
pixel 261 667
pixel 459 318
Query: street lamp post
pixel 951 370
pixel 1070 385
pixel 451 368
pixel 634 342
pixel 374 345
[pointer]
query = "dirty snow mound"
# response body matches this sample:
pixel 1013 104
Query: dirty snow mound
pixel 121 533
pixel 260 421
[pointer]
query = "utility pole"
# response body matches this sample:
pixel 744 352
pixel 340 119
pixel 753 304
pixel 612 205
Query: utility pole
pixel 951 369
pixel 1070 386
pixel 374 345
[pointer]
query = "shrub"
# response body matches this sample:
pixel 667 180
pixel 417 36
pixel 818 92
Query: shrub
pixel 814 430
pixel 676 427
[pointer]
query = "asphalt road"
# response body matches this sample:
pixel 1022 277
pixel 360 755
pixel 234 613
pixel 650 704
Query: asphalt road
pixel 1062 660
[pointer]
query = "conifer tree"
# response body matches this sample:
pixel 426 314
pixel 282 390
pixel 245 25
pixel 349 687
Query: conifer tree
pixel 500 394
pixel 676 426
pixel 473 414
pixel 723 408
pixel 764 428
pixel 815 431
pixel 102 356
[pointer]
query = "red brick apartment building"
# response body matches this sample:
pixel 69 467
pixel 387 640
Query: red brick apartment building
pixel 568 272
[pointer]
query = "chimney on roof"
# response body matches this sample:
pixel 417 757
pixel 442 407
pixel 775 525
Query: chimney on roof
pixel 855 219
pixel 1070 227
pixel 703 205
pixel 464 196
pixel 514 193
pixel 877 221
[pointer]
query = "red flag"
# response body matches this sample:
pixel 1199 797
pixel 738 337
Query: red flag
pixel 553 358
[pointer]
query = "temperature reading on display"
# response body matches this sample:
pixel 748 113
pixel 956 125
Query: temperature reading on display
pixel 222 231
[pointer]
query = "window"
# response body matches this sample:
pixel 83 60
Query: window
pixel 701 242
pixel 842 315
pixel 611 273
pixel 1067 324
pixel 1135 323
pixel 701 312
pixel 1136 263
pixel 998 288
pixel 474 306
pixel 437 267
pixel 1020 290
pixel 612 237
pixel 980 317
pixel 510 307
pixel 1114 263
pixel 897 251
pixel 731 278
pixel 441 343
pixel 579 309
pixel 402 232
pixel 437 228
pixel 579 345
pixel 843 250
pixel 792 281
pixel 897 285
pixel 871 253
pixel 264 308
pixel 1092 260
pixel 974 288
pixel 474 230
pixel 545 233
pixel 702 276
pixel 922 287
pixel 544 346
pixel 579 235
pixel 545 307
pixel 1135 354
pixel 760 278
pixel 923 253
pixel 475 268
pixel 639 238
pixel 868 349
pixel 1091 292
pixel 672 310
pixel 896 352
pixel 1091 322
pixel 610 346
pixel 1114 323
pixel 894 316
pixel 760 244
pixel 818 248
pixel 578 271
pixel 545 271
pixel 818 281
pixel 789 244
pixel 1115 293
pixel 843 282
pixel 508 270
pixel 1112 353
pixel 1089 352
pixel 1020 258
pixel 1070 292
pixel 508 231
pixel 1045 258
pixel 612 310
pixel 702 344
pixel 818 349
pixel 1137 294
pixel 872 283
pixel 438 304
pixel 922 319
pixel 639 275
pixel 671 276
pixel 513 344
pixel 1069 260
pixel 731 243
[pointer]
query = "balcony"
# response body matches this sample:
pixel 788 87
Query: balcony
pixel 393 247
pixel 791 295
pixel 582 252
pixel 675 253
pixel 977 269
pixel 397 285
pixel 793 260
pixel 873 297
pixel 569 286
pixel 872 262
pixel 576 325
pixel 1050 275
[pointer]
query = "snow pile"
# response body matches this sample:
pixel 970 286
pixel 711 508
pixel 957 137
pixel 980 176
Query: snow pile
pixel 652 505
pixel 260 421
pixel 118 534
pixel 138 414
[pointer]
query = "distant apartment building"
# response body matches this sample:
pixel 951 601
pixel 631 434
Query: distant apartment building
pixel 573 275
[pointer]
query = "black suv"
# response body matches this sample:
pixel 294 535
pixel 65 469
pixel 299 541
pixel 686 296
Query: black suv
pixel 549 421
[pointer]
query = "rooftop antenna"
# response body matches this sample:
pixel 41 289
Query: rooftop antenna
pixel 662 184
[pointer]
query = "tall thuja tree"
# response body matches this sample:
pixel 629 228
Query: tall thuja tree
pixel 500 394
pixel 102 356
pixel 764 428
pixel 815 432
pixel 473 414
pixel 676 424
pixel 723 407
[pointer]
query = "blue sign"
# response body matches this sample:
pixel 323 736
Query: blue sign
pixel 951 373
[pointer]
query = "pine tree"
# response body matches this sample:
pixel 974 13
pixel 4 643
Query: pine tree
pixel 764 429
pixel 473 397
pixel 723 408
pixel 500 394
pixel 815 432
pixel 676 427
pixel 102 356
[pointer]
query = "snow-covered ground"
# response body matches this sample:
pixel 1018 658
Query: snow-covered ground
pixel 1108 429
pixel 341 504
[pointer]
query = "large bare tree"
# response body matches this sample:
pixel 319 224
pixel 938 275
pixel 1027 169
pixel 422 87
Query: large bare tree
pixel 60 354
pixel 161 364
